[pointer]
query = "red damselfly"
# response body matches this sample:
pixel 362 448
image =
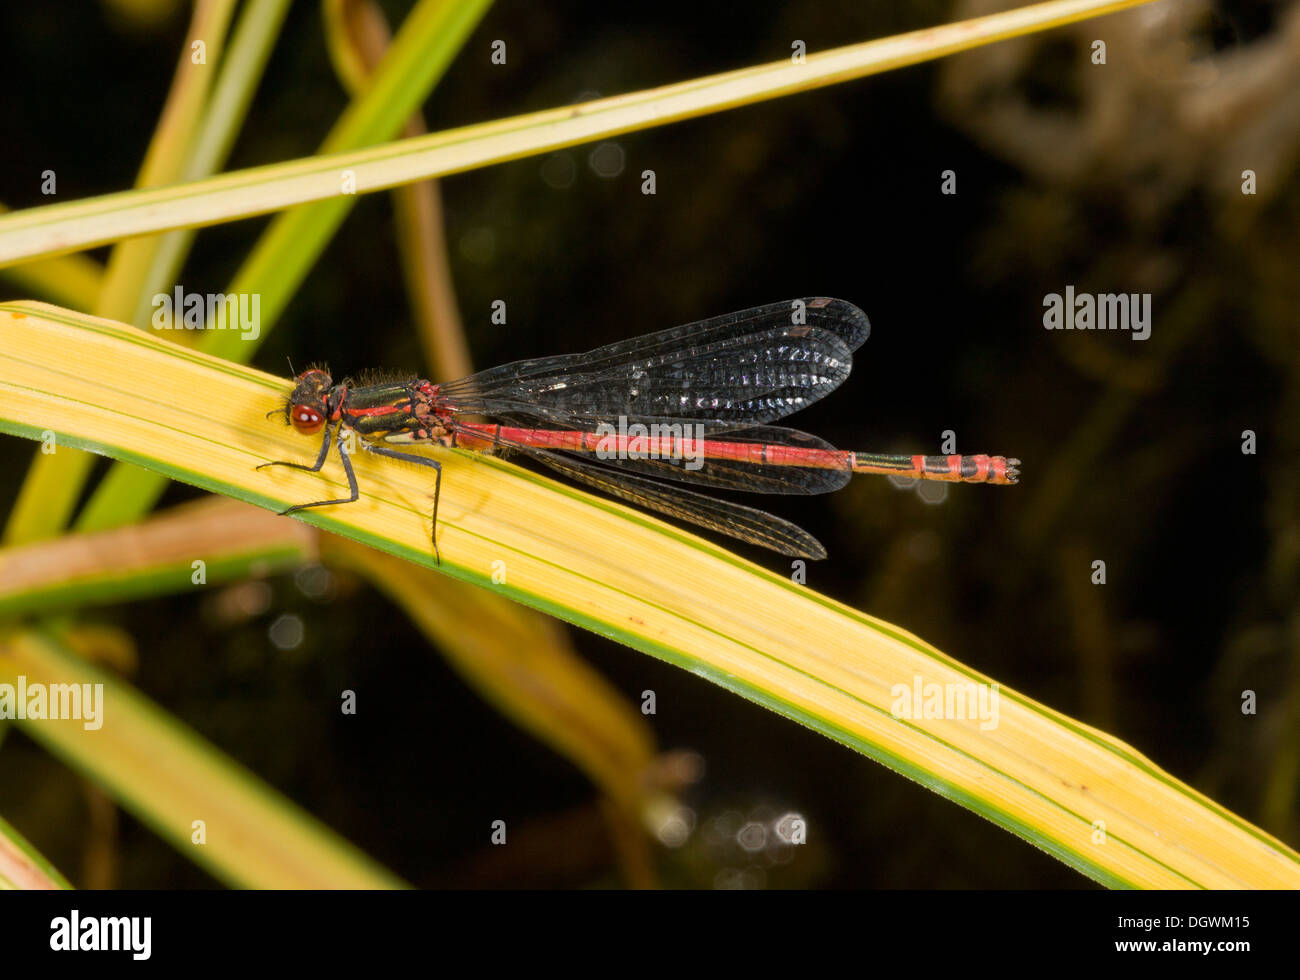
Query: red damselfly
pixel 687 405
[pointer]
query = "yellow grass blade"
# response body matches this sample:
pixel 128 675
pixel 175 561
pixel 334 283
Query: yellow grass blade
pixel 1086 798
pixel 169 778
pixel 69 280
pixel 82 224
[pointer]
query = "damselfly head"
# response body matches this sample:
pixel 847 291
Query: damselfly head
pixel 306 409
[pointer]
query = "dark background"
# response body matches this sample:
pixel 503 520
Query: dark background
pixel 1131 450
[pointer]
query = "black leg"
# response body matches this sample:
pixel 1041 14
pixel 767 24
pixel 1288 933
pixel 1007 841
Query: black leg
pixel 320 460
pixel 324 451
pixel 437 484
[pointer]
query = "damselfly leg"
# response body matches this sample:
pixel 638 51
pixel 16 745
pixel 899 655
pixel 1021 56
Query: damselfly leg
pixel 437 485
pixel 353 489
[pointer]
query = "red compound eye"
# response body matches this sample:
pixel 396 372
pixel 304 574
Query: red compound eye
pixel 306 419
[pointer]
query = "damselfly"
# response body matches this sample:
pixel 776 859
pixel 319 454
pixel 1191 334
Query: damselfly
pixel 687 405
